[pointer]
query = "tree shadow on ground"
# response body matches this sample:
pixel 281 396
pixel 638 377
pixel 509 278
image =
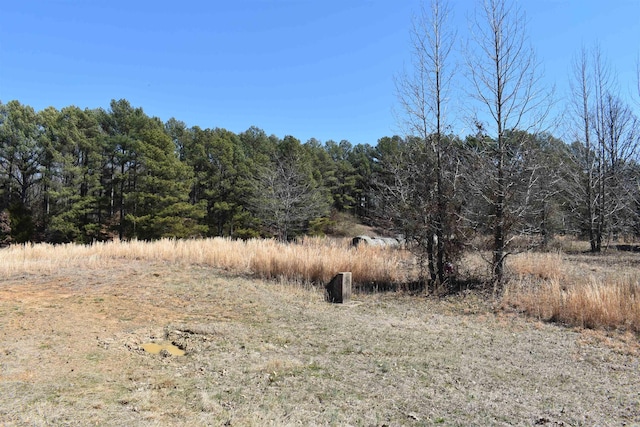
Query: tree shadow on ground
pixel 450 287
pixel 628 248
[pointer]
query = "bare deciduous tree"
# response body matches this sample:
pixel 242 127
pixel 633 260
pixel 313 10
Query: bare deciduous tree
pixel 286 197
pixel 582 182
pixel 606 133
pixel 504 79
pixel 422 94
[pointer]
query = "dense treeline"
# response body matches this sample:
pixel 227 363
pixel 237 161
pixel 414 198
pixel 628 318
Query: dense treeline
pixel 85 175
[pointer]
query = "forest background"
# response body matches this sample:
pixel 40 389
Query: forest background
pixel 85 175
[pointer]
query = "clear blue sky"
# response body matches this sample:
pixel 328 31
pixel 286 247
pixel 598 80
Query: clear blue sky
pixel 305 68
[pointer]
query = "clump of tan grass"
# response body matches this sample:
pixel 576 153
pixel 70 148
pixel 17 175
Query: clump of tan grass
pixel 474 265
pixel 545 286
pixel 311 260
pixel 544 266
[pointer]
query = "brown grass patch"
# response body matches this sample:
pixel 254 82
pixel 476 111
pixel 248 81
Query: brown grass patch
pixel 271 353
pixel 315 260
pixel 588 292
pixel 577 289
pixel 275 353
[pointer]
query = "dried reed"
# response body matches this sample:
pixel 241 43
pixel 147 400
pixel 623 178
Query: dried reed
pixel 311 260
pixel 549 288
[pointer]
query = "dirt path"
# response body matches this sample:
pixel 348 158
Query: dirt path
pixel 277 354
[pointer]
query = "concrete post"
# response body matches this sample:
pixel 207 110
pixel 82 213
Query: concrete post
pixel 339 289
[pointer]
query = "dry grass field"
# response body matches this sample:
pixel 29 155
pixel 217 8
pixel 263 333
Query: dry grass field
pixel 262 347
pixel 587 290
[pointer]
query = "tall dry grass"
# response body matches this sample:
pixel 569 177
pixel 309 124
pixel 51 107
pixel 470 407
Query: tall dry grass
pixel 550 288
pixel 543 285
pixel 312 260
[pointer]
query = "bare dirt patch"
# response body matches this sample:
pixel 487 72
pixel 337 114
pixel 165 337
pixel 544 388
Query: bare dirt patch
pixel 266 353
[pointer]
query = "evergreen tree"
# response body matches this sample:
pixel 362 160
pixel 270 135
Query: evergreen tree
pixel 361 158
pixel 159 202
pixel 343 188
pixel 145 186
pixel 222 179
pixel 21 155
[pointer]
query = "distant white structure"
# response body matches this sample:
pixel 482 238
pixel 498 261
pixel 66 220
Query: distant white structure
pixel 391 242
